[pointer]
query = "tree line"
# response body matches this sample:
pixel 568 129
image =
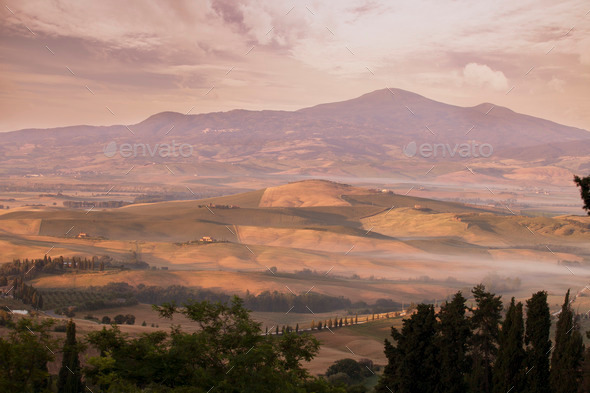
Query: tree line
pixel 26 293
pixel 265 301
pixel 58 265
pixel 457 349
pixel 461 349
pixel 228 353
pixel 61 265
pixel 95 204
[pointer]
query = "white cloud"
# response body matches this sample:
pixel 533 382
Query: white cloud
pixel 556 84
pixel 481 75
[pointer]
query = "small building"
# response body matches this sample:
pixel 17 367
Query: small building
pixel 82 235
pixel 207 239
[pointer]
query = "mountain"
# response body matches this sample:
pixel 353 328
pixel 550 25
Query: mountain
pixel 369 131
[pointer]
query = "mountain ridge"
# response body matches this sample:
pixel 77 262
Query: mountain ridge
pixel 363 135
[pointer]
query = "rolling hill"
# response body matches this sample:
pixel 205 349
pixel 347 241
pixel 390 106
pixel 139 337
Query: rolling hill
pixel 416 245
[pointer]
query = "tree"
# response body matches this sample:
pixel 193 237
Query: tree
pixel 412 365
pixel 227 338
pixel 508 369
pixel 485 323
pixel 69 378
pixel 453 333
pixel 585 385
pixel 24 355
pixel 120 319
pixel 568 352
pixel 227 351
pixel 538 326
pixel 348 366
pixel 106 320
pixel 584 184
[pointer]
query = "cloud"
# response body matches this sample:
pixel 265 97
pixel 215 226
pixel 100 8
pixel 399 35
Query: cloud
pixel 230 12
pixel 169 54
pixel 481 75
pixel 556 84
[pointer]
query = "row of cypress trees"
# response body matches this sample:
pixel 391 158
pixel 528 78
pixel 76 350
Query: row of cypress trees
pixel 460 350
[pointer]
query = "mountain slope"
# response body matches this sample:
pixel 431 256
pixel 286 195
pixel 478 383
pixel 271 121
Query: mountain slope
pixel 369 131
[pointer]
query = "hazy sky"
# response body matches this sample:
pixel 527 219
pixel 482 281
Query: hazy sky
pixel 65 62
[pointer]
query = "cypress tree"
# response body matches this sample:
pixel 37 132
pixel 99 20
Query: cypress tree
pixel 454 331
pixel 69 379
pixel 485 323
pixel 568 352
pixel 538 326
pixel 508 369
pixel 413 365
pixel 585 384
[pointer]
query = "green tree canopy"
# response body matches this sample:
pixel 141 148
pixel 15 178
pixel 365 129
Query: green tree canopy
pixel 567 355
pixel 538 326
pixel 228 352
pixel 24 355
pixel 584 184
pixel 453 332
pixel 485 323
pixel 413 365
pixel 69 379
pixel 508 368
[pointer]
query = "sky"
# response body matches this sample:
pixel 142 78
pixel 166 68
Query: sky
pixel 110 62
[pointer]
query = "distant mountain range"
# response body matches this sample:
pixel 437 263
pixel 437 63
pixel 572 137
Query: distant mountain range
pixel 329 138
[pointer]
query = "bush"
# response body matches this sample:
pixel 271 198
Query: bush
pixel 350 367
pixel 339 379
pixel 120 319
pixel 357 389
pixel 5 318
pixel 130 319
pixel 367 367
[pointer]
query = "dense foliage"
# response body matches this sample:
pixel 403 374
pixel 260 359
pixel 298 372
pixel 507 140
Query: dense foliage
pixel 228 354
pixel 584 184
pixel 26 293
pixel 476 351
pixel 24 355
